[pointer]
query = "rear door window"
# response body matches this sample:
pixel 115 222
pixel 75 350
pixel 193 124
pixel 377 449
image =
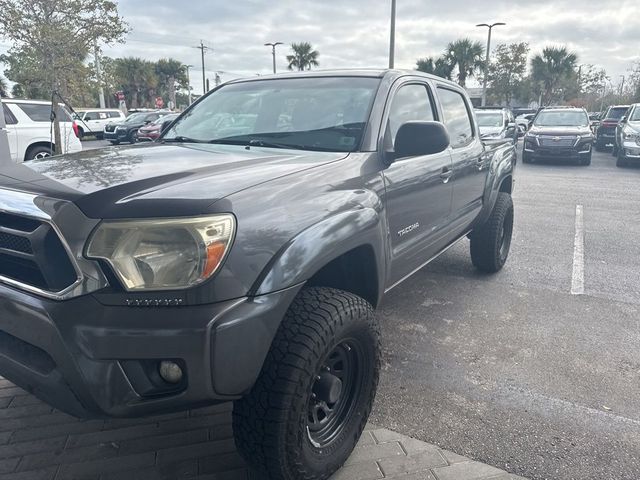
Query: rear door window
pixel 41 113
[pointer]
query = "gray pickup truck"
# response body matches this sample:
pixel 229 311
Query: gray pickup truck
pixel 241 257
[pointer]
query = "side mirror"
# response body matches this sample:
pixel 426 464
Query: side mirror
pixel 421 138
pixel 623 119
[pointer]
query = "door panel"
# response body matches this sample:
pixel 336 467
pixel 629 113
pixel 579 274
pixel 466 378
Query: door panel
pixel 418 190
pixel 467 154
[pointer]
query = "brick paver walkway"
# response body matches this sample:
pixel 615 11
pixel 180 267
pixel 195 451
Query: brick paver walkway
pixel 39 443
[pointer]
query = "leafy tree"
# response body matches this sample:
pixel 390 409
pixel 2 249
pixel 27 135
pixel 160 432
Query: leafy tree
pixel 554 71
pixel 507 70
pixel 439 67
pixel 137 79
pixel 467 57
pixel 171 74
pixel 57 35
pixel 303 56
pixel 4 88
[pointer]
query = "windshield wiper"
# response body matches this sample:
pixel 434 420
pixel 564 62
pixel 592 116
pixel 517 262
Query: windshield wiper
pixel 182 139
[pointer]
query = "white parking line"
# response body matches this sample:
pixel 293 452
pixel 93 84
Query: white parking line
pixel 577 277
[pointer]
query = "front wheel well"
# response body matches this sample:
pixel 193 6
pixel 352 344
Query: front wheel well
pixel 506 185
pixel 31 147
pixel 355 272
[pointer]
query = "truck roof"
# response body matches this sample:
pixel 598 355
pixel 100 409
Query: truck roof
pixel 346 72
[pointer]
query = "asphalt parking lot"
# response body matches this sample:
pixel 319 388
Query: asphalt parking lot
pixel 513 369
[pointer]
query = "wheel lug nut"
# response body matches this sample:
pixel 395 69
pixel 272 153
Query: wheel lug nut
pixel 327 369
pixel 317 377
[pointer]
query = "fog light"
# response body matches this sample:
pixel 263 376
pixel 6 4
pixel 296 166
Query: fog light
pixel 170 371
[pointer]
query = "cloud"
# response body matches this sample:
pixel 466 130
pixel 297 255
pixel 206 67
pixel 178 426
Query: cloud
pixel 355 33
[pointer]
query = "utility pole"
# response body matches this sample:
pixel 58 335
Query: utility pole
pixel 189 82
pixel 203 48
pixel 622 85
pixel 99 76
pixel 486 62
pixel 273 52
pixel 392 35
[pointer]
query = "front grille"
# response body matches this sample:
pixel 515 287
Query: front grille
pixel 559 142
pixel 32 254
pixel 602 130
pixel 15 243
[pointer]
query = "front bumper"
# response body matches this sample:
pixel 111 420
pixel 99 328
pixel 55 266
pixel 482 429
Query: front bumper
pixel 86 358
pixel 117 135
pixel 581 149
pixel 631 150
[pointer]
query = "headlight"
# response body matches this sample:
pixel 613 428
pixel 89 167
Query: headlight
pixel 629 134
pixel 163 254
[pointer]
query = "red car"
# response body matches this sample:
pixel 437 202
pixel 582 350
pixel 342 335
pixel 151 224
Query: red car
pixel 152 131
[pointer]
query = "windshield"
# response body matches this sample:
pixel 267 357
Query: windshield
pixel 486 119
pixel 616 113
pixel 562 118
pixel 166 118
pixel 136 117
pixel 326 114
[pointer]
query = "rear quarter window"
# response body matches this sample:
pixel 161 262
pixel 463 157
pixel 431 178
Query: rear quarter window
pixel 41 113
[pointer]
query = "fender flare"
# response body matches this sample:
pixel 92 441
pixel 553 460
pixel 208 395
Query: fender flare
pixel 313 248
pixel 501 167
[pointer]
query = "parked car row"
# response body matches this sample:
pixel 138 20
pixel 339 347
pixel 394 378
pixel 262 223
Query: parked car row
pixel 496 123
pixel 127 130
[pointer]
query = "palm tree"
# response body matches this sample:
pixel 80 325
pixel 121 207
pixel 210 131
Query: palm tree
pixel 4 88
pixel 171 73
pixel 551 69
pixel 467 56
pixel 439 67
pixel 304 56
pixel 137 78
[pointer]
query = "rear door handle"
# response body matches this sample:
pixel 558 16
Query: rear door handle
pixel 446 174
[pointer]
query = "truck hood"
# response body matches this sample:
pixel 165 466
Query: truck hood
pixel 158 179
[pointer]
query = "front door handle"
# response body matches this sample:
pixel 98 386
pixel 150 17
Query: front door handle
pixel 446 174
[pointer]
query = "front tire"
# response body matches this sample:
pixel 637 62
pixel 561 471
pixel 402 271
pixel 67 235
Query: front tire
pixel 490 242
pixel 312 400
pixel 133 137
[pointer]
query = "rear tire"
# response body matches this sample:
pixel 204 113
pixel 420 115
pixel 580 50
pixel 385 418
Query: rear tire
pixel 587 160
pixel 620 160
pixel 326 351
pixel 490 242
pixel 39 152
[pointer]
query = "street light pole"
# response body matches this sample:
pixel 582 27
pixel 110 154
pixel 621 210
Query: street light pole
pixel 273 52
pixel 392 35
pixel 486 63
pixel 189 82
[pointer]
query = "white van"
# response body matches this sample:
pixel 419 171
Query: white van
pixel 91 121
pixel 30 132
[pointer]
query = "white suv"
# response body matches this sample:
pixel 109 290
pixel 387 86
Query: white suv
pixel 91 121
pixel 30 131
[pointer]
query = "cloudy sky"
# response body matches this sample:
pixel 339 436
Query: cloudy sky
pixel 355 33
